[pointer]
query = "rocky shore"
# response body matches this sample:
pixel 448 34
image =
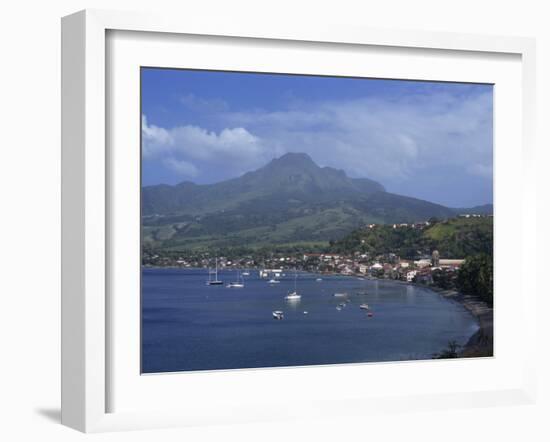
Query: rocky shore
pixel 480 343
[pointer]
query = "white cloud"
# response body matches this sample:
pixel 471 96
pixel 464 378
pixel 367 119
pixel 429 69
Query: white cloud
pixel 154 138
pixel 201 144
pixel 186 148
pixel 182 167
pixel 385 139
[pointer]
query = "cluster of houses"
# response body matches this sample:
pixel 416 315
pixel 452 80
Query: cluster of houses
pixel 388 266
pixel 474 215
pixel 419 226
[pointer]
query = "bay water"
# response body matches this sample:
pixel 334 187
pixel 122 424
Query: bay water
pixel 188 325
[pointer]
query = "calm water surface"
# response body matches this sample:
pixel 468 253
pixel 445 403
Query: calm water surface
pixel 187 325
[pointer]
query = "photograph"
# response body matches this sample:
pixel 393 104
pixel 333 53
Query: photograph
pixel 302 220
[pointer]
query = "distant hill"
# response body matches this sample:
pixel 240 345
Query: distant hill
pixel 454 238
pixel 290 200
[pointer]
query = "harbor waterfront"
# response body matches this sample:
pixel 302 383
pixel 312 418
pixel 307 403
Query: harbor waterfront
pixel 190 325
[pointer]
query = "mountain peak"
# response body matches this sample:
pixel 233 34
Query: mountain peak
pixel 298 159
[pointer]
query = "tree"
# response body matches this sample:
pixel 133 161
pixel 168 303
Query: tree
pixel 450 352
pixel 475 277
pixel 443 279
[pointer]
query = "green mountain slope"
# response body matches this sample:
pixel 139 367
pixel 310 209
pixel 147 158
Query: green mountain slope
pixel 290 200
pixel 292 175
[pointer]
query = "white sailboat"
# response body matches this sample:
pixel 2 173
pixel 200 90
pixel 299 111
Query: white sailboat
pixel 214 281
pixel 293 296
pixel 239 284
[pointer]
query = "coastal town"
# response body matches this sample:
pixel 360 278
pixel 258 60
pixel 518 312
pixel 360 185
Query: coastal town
pixel 424 266
pixel 389 266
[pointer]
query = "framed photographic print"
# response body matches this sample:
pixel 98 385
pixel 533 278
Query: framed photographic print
pixel 234 197
pixel 326 214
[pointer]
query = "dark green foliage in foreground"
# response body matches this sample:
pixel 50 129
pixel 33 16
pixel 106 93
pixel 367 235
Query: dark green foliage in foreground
pixel 475 277
pixel 450 352
pixel 444 279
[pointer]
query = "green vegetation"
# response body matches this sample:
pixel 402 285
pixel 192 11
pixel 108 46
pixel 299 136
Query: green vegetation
pixel 450 352
pixel 476 277
pixel 455 237
pixel 461 237
pixel 444 279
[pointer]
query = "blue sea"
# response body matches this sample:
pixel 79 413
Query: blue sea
pixel 188 325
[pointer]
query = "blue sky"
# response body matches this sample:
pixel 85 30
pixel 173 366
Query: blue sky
pixel 429 140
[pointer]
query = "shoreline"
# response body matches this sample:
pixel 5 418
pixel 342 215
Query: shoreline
pixel 480 344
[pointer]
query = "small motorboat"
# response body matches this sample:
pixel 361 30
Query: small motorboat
pixel 370 314
pixel 273 281
pixel 318 279
pixel 364 306
pixel 340 295
pixel 278 314
pixel 305 312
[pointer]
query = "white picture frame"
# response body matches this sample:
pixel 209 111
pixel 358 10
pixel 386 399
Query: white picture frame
pixel 87 204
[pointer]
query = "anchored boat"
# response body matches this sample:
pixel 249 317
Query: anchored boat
pixel 239 284
pixel 293 296
pixel 214 281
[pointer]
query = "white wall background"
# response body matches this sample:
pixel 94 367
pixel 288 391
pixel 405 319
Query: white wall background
pixel 30 220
